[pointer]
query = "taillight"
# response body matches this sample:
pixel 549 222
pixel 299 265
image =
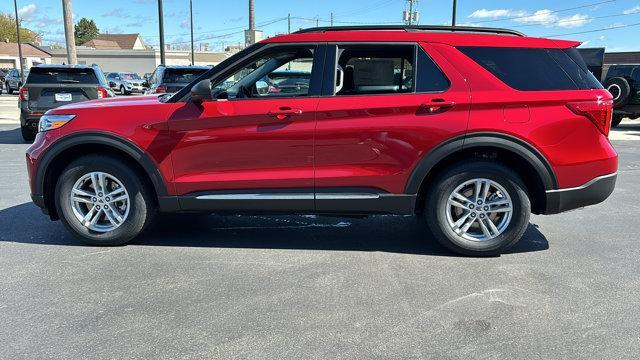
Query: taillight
pixel 24 94
pixel 161 89
pixel 102 93
pixel 600 112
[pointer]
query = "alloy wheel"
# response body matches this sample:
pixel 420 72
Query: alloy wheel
pixel 100 202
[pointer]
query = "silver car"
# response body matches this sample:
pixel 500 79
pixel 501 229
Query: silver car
pixel 126 83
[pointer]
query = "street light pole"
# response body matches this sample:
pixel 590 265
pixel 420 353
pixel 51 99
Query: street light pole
pixel 67 13
pixel 161 24
pixel 193 56
pixel 453 17
pixel 15 4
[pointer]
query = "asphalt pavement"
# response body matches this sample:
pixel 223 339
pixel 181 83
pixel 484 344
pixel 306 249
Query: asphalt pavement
pixel 303 287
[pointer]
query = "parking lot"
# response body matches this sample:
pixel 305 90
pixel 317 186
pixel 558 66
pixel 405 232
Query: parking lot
pixel 295 287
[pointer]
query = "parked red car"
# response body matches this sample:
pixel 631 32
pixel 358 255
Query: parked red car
pixel 471 128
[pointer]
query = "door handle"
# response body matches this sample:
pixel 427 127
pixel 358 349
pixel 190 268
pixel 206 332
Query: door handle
pixel 437 106
pixel 284 113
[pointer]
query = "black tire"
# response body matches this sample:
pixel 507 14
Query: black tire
pixel 449 180
pixel 9 89
pixel 617 119
pixel 619 89
pixel 123 91
pixel 142 205
pixel 28 134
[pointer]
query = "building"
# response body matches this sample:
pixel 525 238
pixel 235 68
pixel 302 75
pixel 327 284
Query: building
pixel 33 55
pixel 113 41
pixel 137 61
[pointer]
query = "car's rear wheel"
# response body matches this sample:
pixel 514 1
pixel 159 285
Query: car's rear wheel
pixel 102 200
pixel 478 208
pixel 9 89
pixel 617 119
pixel 28 133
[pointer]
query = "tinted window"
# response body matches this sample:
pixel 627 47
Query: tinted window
pixel 375 69
pixel 62 76
pixel 430 77
pixel 181 76
pixel 573 64
pixel 530 69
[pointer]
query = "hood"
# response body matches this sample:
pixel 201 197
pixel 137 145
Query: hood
pixel 110 103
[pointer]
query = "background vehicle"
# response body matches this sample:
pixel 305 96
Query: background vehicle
pixel 623 82
pixel 12 80
pixel 50 86
pixel 126 83
pixel 386 125
pixel 170 79
pixel 287 82
pixel 3 74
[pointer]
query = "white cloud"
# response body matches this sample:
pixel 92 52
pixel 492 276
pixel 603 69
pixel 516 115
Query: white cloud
pixel 548 18
pixel 494 14
pixel 27 11
pixel 574 21
pixel 633 10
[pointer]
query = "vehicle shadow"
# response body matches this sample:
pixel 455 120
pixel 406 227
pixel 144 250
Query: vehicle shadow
pixel 11 136
pixel 393 234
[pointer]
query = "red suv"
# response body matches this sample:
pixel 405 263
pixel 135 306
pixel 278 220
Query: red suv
pixel 471 128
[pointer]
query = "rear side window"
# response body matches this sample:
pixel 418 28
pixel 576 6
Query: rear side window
pixel 181 76
pixel 529 69
pixel 62 76
pixel 430 77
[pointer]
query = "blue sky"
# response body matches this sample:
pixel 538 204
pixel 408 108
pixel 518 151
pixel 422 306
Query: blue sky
pixel 220 23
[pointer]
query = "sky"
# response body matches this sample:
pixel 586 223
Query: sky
pixel 614 24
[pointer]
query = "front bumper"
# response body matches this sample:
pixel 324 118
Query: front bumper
pixel 591 193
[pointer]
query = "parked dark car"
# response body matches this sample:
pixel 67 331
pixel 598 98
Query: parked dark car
pixel 170 79
pixel 50 86
pixel 13 81
pixel 623 82
pixel 126 83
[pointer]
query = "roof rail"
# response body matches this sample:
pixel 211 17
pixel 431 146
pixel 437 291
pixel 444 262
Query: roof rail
pixel 407 28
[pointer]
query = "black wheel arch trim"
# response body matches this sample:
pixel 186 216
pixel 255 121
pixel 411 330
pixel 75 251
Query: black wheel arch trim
pixel 482 139
pixel 124 145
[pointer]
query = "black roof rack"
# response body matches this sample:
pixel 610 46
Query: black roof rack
pixel 413 28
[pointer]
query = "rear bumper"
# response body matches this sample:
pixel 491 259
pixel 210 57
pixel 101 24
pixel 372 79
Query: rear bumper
pixel 29 119
pixel 591 193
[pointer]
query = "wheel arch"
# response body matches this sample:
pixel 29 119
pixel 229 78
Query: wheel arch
pixel 514 152
pixel 66 150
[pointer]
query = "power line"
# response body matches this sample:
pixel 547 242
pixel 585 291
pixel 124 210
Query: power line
pixel 550 12
pixel 596 30
pixel 561 21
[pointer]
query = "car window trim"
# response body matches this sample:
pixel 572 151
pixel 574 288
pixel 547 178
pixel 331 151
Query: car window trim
pixel 329 91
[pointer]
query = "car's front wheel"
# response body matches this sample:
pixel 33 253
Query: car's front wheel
pixel 9 89
pixel 617 119
pixel 478 208
pixel 102 200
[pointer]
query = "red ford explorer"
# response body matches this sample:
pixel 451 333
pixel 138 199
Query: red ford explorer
pixel 473 129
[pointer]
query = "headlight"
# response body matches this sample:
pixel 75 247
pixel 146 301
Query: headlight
pixel 52 122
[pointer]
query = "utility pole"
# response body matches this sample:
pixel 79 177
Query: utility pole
pixel 332 19
pixel 193 55
pixel 317 21
pixel 409 15
pixel 67 13
pixel 289 24
pixel 453 17
pixel 161 24
pixel 15 4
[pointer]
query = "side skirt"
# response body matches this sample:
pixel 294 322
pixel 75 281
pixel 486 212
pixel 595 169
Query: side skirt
pixel 303 201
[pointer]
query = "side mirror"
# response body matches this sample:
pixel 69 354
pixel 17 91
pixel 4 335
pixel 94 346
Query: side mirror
pixel 201 92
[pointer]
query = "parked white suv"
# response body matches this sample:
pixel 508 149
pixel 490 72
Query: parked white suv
pixel 126 83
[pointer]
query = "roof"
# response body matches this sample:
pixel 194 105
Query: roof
pixel 466 37
pixel 102 44
pixel 58 66
pixel 28 49
pixel 125 41
pixel 186 67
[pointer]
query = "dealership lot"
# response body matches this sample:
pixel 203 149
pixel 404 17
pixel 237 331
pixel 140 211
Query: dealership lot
pixel 306 287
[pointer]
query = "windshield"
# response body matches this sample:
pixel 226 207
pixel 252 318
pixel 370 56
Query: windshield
pixel 130 76
pixel 181 76
pixel 62 76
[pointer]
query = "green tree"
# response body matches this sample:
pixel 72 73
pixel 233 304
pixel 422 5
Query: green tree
pixel 8 30
pixel 85 30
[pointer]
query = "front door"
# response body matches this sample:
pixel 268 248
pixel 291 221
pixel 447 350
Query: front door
pixel 252 146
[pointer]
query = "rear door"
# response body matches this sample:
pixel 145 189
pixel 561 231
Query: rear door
pixel 390 105
pixel 53 87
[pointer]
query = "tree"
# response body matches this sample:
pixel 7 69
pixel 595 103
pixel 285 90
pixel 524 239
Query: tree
pixel 8 30
pixel 85 30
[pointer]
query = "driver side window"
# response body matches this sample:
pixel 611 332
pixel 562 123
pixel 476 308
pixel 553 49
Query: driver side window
pixel 283 72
